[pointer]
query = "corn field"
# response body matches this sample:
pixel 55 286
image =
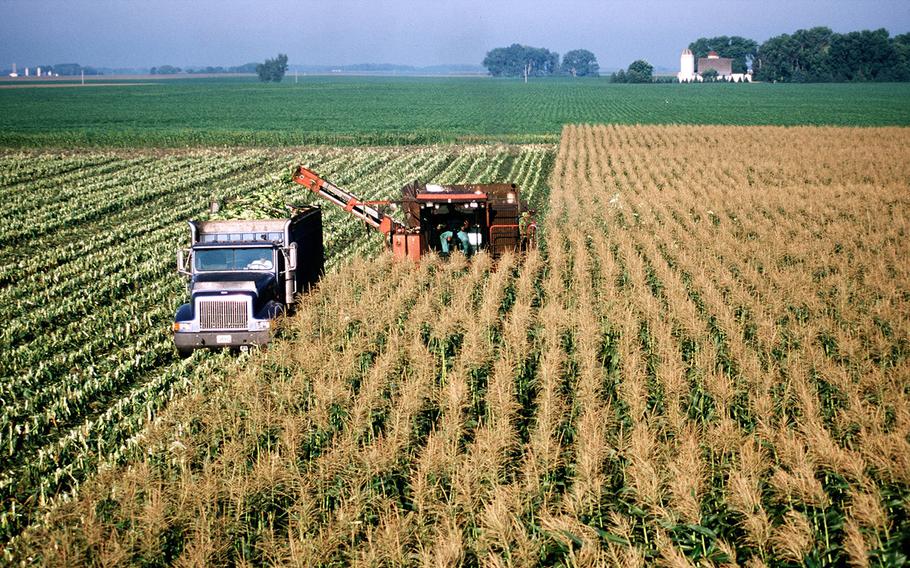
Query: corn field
pixel 705 363
pixel 89 285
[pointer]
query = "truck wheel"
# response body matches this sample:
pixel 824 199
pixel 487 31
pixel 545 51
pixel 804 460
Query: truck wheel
pixel 184 353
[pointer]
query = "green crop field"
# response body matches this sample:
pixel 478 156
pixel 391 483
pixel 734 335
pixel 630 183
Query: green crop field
pixel 704 363
pixel 380 111
pixel 88 288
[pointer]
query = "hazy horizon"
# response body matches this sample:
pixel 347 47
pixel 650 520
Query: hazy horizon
pixel 135 34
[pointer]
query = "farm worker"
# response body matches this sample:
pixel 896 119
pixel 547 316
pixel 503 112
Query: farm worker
pixel 523 223
pixel 445 238
pixel 463 237
pixel 526 228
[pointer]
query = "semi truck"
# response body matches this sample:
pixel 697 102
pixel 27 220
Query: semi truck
pixel 242 274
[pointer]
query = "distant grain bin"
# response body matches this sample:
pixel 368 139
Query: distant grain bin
pixel 686 67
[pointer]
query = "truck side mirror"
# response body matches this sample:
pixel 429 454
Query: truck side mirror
pixel 292 256
pixel 181 263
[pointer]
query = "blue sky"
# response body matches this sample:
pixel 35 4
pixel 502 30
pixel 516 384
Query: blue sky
pixel 135 33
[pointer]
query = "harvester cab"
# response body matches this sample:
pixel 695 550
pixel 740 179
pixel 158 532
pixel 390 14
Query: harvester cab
pixel 481 216
pixel 440 218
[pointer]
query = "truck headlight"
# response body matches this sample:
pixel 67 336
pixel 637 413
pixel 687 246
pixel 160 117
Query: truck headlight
pixel 180 326
pixel 262 325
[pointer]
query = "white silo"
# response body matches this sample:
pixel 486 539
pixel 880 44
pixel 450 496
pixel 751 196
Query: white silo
pixel 686 67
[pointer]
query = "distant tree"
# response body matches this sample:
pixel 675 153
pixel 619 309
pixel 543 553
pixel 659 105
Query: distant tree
pixel 863 56
pixel 741 50
pixel 618 76
pixel 207 69
pixel 580 63
pixel 901 45
pixel 521 61
pixel 165 70
pixel 67 69
pixel 819 55
pixel 710 75
pixel 245 68
pixel 799 58
pixel 640 71
pixel 273 69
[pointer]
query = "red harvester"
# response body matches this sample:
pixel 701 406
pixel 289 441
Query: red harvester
pixel 492 215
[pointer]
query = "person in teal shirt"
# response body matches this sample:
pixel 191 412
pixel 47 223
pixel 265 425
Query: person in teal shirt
pixel 463 237
pixel 445 239
pixel 450 240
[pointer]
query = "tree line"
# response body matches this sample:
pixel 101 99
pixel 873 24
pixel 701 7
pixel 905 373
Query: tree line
pixel 806 56
pixel 525 61
pixel 272 70
pixel 819 55
pixel 816 55
pixel 212 70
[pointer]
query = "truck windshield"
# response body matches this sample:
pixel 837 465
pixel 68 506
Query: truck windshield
pixel 233 259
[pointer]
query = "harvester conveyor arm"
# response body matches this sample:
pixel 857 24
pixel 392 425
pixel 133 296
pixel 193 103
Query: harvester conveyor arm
pixel 346 200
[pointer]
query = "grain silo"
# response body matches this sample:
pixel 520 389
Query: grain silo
pixel 686 67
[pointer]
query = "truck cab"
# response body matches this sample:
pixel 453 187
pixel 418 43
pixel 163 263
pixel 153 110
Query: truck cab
pixel 242 274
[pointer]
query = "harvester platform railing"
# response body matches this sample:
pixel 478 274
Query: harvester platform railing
pixel 362 210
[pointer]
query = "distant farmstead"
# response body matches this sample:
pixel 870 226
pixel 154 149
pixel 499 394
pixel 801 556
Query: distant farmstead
pixel 723 66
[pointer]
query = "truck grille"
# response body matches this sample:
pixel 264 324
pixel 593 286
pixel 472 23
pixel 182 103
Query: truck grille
pixel 222 315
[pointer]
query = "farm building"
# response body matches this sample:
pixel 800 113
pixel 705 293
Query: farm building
pixel 713 62
pixel 723 65
pixel 687 67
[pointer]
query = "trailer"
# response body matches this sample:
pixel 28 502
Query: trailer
pixel 242 274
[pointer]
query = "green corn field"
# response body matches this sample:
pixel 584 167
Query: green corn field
pixel 705 362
